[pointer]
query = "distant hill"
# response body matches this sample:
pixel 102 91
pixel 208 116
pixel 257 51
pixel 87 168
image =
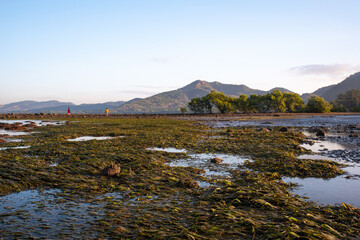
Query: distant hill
pixel 170 102
pixel 28 106
pixel 322 90
pixel 57 107
pixel 351 82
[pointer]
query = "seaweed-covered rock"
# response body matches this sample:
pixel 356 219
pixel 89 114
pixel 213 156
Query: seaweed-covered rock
pixel 283 129
pixel 112 170
pixel 188 183
pixel 320 132
pixel 216 160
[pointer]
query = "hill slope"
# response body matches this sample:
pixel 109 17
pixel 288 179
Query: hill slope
pixel 57 107
pixel 351 82
pixel 170 102
pixel 29 106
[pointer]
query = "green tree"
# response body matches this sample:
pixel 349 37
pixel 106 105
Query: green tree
pixel 222 102
pixel 259 103
pixel 278 101
pixel 183 110
pixel 349 101
pixel 241 103
pixel 293 102
pixel 196 105
pixel 317 104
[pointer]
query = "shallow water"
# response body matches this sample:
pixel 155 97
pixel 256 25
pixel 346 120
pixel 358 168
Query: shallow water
pixel 21 147
pixel 88 138
pixel 13 133
pixel 320 146
pixel 169 150
pixel 46 214
pixel 37 122
pixel 202 161
pixel 306 121
pixel 332 191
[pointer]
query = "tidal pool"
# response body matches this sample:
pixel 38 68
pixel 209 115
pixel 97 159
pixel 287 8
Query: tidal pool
pixel 88 138
pixel 202 161
pixel 36 122
pixel 304 121
pixel 331 191
pixel 21 147
pixel 169 150
pixel 340 189
pixel 47 214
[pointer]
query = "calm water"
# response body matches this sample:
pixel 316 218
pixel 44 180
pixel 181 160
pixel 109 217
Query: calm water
pixel 317 121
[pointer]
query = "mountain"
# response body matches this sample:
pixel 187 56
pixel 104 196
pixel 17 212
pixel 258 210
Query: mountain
pixel 170 102
pixel 322 90
pixel 351 82
pixel 28 106
pixel 82 108
pixel 57 107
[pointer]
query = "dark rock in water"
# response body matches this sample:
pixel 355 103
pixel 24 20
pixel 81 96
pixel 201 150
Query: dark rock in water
pixel 267 123
pixel 320 132
pixel 297 147
pixel 216 160
pixel 111 170
pixel 283 129
pixel 188 183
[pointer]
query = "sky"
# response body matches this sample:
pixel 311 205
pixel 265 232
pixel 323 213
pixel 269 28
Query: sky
pixel 94 51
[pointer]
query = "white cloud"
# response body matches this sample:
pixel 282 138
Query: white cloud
pixel 323 70
pixel 161 60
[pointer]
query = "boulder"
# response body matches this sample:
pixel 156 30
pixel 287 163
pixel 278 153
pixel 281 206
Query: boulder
pixel 283 129
pixel 188 183
pixel 216 160
pixel 320 132
pixel 112 170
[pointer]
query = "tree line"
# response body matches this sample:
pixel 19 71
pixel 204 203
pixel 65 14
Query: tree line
pixel 274 102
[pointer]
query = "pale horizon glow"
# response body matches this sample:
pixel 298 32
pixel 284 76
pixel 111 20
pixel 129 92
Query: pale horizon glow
pixel 115 50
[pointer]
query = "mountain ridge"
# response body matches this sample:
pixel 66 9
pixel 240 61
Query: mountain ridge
pixel 171 101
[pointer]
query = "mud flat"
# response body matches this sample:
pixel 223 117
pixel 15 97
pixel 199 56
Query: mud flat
pixel 214 183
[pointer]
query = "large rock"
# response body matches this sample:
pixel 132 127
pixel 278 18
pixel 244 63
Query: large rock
pixel 320 132
pixel 112 170
pixel 216 160
pixel 188 183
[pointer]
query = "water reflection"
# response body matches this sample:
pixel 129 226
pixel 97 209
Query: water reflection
pixel 88 138
pixel 331 191
pixel 202 161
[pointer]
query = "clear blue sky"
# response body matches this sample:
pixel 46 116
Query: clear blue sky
pixel 111 50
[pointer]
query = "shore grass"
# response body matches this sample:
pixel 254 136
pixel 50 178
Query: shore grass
pixel 159 201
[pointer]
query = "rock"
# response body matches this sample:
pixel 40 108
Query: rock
pixel 188 183
pixel 283 129
pixel 112 170
pixel 320 132
pixel 263 130
pixel 354 136
pixel 216 160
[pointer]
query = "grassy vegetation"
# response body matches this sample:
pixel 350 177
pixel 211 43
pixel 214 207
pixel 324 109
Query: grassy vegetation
pixel 159 201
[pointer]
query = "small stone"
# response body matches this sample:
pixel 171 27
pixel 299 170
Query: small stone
pixel 216 160
pixel 284 129
pixel 111 170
